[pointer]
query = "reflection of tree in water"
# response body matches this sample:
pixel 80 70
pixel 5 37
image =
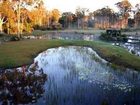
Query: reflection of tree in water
pixel 21 86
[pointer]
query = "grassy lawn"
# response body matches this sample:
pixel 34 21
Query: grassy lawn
pixel 13 54
pixel 86 31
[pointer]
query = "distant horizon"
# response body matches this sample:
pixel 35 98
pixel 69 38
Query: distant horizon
pixel 71 5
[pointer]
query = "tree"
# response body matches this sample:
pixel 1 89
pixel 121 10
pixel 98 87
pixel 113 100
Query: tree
pixel 25 21
pixel 8 14
pixel 25 4
pixel 124 8
pixel 18 16
pixel 80 13
pixel 104 17
pixel 2 21
pixel 137 15
pixel 137 6
pixel 66 19
pixel 55 15
pixel 38 15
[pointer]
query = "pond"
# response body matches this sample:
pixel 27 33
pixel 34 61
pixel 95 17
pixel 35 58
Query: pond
pixel 66 36
pixel 132 45
pixel 70 76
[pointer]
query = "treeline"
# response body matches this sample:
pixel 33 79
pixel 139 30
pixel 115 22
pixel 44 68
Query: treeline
pixel 21 16
pixel 127 16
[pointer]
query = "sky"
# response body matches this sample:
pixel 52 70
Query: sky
pixel 92 5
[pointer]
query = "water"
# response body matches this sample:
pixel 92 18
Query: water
pixel 133 48
pixel 78 76
pixel 132 45
pixel 66 36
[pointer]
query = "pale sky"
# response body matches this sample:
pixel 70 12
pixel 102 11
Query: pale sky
pixel 71 5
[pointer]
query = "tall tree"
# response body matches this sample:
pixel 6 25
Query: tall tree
pixel 55 15
pixel 137 15
pixel 8 14
pixel 17 16
pixel 104 17
pixel 67 18
pixel 124 8
pixel 2 21
pixel 24 4
pixel 39 14
pixel 80 13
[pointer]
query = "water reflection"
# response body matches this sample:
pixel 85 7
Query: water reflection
pixel 66 36
pixel 78 76
pixel 132 45
pixel 21 85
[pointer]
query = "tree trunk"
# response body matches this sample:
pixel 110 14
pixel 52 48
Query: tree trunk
pixel 1 27
pixel 18 17
pixel 78 24
pixel 1 23
pixel 8 30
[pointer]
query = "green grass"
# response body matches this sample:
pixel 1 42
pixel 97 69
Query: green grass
pixel 13 54
pixel 86 31
pixel 90 31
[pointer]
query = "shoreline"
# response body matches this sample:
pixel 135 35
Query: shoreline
pixel 17 54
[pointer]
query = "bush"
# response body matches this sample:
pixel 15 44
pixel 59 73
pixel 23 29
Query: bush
pixel 54 26
pixel 126 30
pixel 105 36
pixel 14 38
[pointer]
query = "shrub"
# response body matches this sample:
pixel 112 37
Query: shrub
pixel 14 38
pixel 105 36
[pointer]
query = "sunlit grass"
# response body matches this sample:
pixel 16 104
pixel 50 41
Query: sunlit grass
pixel 86 31
pixel 13 54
